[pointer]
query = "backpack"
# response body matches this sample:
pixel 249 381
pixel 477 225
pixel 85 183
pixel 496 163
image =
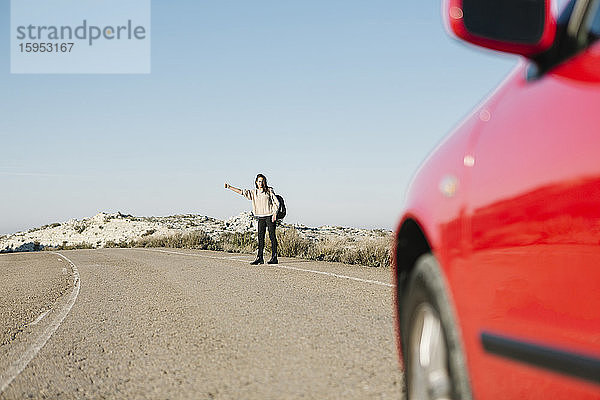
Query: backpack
pixel 281 211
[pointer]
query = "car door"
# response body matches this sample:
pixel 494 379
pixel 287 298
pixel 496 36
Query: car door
pixel 530 283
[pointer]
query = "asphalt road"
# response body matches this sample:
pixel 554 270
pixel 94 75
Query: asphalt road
pixel 170 324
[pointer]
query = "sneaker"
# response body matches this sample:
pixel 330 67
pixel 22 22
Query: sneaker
pixel 257 261
pixel 273 260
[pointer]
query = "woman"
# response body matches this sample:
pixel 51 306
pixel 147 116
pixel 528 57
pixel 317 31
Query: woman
pixel 264 207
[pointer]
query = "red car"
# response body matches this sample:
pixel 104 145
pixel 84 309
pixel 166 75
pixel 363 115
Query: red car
pixel 497 253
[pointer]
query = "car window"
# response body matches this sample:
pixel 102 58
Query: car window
pixel 565 12
pixel 595 25
pixel 563 47
pixel 558 6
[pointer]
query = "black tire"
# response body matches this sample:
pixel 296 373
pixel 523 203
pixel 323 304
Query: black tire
pixel 424 305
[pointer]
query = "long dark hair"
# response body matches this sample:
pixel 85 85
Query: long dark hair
pixel 265 187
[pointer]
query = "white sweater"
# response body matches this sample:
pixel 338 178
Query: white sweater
pixel 263 204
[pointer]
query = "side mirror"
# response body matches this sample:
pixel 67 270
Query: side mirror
pixel 525 27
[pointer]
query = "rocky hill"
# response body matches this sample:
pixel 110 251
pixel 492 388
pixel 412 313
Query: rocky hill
pixel 104 228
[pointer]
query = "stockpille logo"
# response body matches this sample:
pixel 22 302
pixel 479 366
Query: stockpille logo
pixel 84 31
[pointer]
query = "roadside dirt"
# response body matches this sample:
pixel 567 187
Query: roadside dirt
pixel 30 284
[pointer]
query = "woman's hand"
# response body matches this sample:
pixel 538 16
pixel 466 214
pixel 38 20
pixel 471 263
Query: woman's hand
pixel 274 218
pixel 233 188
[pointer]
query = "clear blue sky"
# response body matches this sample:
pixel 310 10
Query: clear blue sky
pixel 336 102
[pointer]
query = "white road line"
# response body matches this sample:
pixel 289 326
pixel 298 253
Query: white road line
pixel 332 274
pixel 189 254
pixel 38 343
pixel 278 266
pixel 239 258
pixel 38 319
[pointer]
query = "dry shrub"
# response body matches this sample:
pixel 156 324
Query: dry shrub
pixel 190 240
pixel 122 243
pixel 148 232
pixel 361 251
pixel 374 253
pixel 236 242
pixel 291 244
pixel 77 246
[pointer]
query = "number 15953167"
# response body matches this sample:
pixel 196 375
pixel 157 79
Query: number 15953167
pixel 46 47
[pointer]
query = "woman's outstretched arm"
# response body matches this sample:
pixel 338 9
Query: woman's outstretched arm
pixel 238 191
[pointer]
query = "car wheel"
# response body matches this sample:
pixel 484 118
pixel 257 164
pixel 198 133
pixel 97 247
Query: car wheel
pixel 434 361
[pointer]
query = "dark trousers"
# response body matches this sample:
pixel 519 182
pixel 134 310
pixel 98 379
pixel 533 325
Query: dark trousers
pixel 263 223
